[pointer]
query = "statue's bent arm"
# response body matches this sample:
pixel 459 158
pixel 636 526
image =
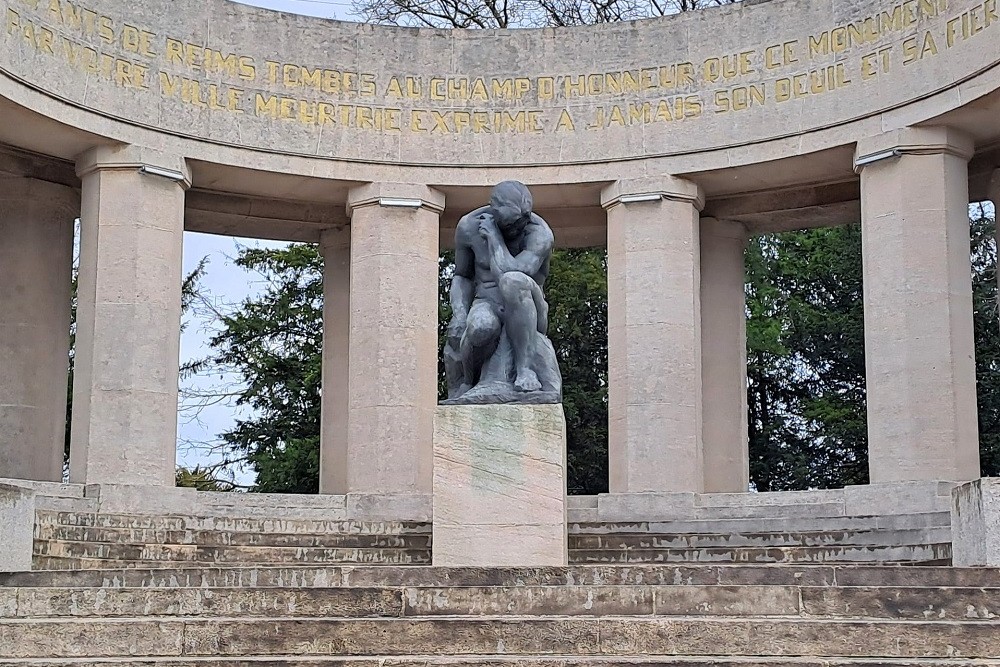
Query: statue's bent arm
pixel 530 260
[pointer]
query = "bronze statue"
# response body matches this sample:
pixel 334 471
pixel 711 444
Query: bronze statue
pixel 497 350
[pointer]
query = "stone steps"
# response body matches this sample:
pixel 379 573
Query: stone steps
pixel 188 553
pixel 90 555
pixel 380 536
pixel 916 520
pixel 657 540
pixel 228 524
pixel 363 576
pixel 88 540
pixel 220 538
pixel 905 554
pixel 509 661
pixel 485 635
pixel 924 604
pixel 505 661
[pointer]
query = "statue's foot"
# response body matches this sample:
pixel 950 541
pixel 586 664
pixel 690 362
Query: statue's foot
pixel 527 380
pixel 462 388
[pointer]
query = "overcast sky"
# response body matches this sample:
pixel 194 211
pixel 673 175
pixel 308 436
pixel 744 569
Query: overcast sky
pixel 226 283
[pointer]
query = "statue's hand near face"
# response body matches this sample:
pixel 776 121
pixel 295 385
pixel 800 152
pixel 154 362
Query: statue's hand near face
pixel 488 227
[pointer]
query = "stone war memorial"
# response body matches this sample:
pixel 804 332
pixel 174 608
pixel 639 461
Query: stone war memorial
pixel 442 532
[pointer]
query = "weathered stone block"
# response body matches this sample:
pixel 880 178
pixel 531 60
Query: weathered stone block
pixel 975 523
pixel 17 523
pixel 500 485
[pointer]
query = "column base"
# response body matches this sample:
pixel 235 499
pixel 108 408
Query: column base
pixel 975 523
pixel 500 486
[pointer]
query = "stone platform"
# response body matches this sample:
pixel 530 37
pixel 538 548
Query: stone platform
pixel 270 588
pixel 76 527
pixel 500 485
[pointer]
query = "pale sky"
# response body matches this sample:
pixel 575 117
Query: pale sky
pixel 226 283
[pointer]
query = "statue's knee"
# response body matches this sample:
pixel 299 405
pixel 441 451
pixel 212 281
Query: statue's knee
pixel 514 284
pixel 481 332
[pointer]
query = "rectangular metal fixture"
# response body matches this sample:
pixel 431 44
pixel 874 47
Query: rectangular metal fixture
pixel 400 202
pixel 160 171
pixel 877 157
pixel 631 199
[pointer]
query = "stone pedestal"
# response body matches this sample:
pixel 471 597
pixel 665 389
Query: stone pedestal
pixel 975 523
pixel 17 527
pixel 500 486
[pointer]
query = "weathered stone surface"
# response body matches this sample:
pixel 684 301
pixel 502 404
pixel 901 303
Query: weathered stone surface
pixel 534 661
pixel 910 603
pixel 395 637
pixel 530 600
pixel 17 518
pixel 921 553
pixel 122 637
pixel 675 637
pixel 212 538
pixel 500 485
pixel 874 638
pixel 726 600
pixel 190 553
pixel 242 602
pixel 623 575
pixel 230 525
pixel 975 518
pixel 8 602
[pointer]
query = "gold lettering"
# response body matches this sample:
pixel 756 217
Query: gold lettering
pixel 565 122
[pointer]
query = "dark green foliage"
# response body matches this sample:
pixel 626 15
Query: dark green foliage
pixel 577 291
pixel 987 332
pixel 274 342
pixel 805 360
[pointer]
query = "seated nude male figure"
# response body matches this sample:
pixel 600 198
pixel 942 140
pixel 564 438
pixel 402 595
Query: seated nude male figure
pixel 501 261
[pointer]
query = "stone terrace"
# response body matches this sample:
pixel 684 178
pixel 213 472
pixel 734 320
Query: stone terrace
pixel 593 615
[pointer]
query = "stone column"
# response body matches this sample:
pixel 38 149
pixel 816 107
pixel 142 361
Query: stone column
pixel 335 244
pixel 724 356
pixel 128 317
pixel 36 262
pixel 919 349
pixel 393 337
pixel 654 335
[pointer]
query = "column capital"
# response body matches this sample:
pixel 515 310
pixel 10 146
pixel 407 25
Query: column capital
pixel 912 141
pixel 413 196
pixel 335 237
pixel 129 157
pixel 729 229
pixel 652 189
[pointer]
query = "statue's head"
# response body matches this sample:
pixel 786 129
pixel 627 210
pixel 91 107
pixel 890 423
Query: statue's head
pixel 511 205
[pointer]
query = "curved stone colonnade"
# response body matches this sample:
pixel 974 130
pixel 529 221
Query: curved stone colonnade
pixel 669 140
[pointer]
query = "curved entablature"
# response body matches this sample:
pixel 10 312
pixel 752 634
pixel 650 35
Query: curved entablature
pixel 724 82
